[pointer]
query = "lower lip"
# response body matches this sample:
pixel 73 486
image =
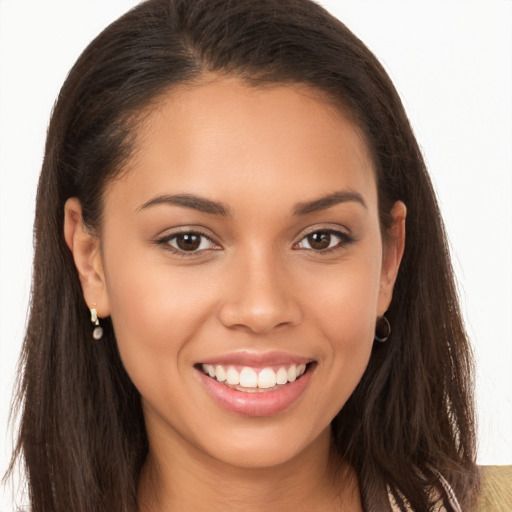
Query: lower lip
pixel 266 403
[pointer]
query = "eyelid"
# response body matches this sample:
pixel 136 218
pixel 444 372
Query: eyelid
pixel 328 227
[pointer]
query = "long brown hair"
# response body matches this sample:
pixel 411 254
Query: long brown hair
pixel 82 436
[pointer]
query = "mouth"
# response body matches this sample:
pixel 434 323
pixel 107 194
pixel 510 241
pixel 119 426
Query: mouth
pixel 253 386
pixel 249 379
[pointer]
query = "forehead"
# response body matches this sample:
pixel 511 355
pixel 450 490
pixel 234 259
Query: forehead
pixel 218 136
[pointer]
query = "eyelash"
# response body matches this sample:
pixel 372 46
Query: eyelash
pixel 344 240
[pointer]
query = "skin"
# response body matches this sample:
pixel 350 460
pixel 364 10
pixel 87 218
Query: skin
pixel 257 286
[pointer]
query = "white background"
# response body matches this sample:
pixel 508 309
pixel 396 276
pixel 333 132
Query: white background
pixel 452 64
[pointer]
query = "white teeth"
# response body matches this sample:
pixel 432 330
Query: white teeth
pixel 248 378
pixel 232 376
pixel 266 378
pixel 282 376
pixel 292 373
pixel 220 373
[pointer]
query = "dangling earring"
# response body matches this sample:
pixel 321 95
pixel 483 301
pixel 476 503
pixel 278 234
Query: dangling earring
pixel 97 333
pixel 382 329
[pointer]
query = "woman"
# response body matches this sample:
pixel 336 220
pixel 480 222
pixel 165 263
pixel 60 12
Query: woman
pixel 232 194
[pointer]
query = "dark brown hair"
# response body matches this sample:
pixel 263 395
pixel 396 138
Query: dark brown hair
pixel 82 436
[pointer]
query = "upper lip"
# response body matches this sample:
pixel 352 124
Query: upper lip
pixel 245 358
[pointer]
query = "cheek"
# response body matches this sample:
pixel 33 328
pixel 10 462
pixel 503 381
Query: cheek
pixel 343 311
pixel 348 324
pixel 155 310
pixel 344 304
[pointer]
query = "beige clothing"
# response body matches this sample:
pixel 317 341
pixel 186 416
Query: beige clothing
pixel 496 492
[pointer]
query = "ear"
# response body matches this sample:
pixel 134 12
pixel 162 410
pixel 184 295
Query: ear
pixel 393 250
pixel 85 248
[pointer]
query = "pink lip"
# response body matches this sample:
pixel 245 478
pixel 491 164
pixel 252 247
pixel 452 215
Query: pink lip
pixel 257 403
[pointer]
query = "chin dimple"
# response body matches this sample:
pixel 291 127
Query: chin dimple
pixel 248 379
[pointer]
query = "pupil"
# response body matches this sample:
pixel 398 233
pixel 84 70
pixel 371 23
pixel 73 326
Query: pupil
pixel 320 240
pixel 188 242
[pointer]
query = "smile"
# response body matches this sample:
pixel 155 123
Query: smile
pixel 248 379
pixel 256 384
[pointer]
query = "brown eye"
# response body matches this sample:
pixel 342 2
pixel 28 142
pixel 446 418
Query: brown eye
pixel 319 240
pixel 189 242
pixel 323 240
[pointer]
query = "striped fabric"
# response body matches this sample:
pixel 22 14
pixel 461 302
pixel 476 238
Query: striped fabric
pixel 441 505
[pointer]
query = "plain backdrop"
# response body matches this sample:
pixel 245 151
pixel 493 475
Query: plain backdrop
pixel 452 64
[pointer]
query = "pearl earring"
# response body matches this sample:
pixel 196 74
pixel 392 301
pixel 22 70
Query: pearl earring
pixel 97 333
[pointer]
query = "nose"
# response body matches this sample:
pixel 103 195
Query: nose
pixel 259 296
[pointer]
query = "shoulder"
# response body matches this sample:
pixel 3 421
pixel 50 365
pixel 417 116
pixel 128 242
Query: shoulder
pixel 496 490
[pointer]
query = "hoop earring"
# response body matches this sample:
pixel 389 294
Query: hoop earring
pixel 382 329
pixel 97 332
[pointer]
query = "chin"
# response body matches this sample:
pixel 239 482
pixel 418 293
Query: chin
pixel 267 447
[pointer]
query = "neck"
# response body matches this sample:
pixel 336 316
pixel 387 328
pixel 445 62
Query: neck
pixel 181 478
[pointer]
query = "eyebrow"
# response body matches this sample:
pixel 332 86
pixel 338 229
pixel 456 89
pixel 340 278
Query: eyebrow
pixel 215 208
pixel 324 202
pixel 189 201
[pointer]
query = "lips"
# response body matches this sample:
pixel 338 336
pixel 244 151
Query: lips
pixel 256 384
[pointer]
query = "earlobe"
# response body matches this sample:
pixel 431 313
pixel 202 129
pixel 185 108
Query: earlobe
pixel 85 248
pixel 392 255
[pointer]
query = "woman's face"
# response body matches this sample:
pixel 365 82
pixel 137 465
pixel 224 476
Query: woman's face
pixel 244 243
